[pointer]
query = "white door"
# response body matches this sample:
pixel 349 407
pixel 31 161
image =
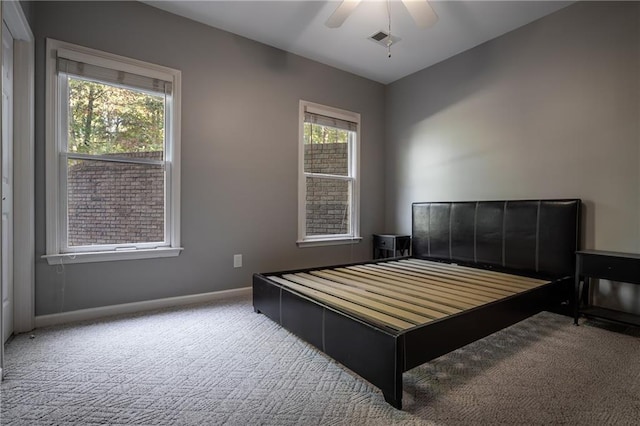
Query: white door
pixel 7 182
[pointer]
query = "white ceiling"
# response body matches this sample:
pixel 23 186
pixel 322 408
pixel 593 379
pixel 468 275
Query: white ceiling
pixel 298 27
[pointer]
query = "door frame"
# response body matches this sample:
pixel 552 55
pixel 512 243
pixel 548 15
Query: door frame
pixel 1 313
pixel 7 204
pixel 23 167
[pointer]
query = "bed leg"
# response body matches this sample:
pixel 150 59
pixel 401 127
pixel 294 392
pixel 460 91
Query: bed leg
pixel 395 402
pixel 256 310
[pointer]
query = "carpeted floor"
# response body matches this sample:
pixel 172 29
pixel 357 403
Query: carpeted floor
pixel 221 363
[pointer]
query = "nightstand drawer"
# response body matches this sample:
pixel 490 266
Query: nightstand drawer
pixel 384 242
pixel 611 268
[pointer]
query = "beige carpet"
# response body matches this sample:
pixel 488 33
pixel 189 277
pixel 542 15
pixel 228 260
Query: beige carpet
pixel 223 364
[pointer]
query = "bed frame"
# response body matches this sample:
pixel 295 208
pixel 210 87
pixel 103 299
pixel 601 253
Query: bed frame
pixel 534 238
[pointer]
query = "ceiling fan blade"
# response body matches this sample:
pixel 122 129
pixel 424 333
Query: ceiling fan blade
pixel 421 12
pixel 341 13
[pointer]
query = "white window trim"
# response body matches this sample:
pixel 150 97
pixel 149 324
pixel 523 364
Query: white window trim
pixel 326 240
pixel 54 215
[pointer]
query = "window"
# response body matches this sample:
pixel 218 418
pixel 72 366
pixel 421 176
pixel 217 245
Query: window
pixel 113 145
pixel 328 175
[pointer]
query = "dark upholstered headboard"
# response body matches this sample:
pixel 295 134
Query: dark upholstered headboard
pixel 534 236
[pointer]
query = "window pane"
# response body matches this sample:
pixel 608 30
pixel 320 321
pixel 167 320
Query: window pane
pixel 107 119
pixel 326 150
pixel 328 206
pixel 114 203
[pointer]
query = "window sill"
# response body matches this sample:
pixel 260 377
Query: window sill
pixel 328 242
pixel 107 256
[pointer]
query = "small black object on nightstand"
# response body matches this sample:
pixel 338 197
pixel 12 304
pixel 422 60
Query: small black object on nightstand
pixel 391 245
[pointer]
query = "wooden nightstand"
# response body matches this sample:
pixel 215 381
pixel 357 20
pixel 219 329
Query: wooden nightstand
pixel 391 245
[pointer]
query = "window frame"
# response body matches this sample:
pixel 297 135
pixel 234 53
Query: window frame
pixel 353 236
pixel 57 250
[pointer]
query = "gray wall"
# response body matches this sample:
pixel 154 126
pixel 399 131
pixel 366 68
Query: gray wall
pixel 239 155
pixel 548 110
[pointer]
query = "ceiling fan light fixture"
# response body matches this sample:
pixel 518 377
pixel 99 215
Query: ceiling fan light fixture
pixel 422 13
pixel 420 10
pixel 338 17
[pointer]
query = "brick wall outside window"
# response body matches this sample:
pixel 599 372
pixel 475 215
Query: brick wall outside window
pixel 327 199
pixel 115 203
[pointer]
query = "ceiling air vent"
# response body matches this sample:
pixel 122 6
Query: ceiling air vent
pixel 383 37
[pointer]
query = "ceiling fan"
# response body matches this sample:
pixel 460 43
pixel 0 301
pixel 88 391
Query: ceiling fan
pixel 420 10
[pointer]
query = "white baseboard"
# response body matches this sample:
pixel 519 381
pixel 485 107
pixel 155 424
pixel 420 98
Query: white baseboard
pixel 128 308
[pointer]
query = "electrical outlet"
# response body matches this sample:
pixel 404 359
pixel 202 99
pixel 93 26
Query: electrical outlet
pixel 237 261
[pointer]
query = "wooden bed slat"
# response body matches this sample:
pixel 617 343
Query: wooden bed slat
pixel 425 293
pixel 367 302
pixel 498 286
pixel 474 271
pixel 378 294
pixel 413 296
pixel 492 275
pixel 370 314
pixel 458 277
pixel 462 289
pixel 359 281
pixel 489 291
pixel 413 283
pixel 525 282
pixel 454 271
